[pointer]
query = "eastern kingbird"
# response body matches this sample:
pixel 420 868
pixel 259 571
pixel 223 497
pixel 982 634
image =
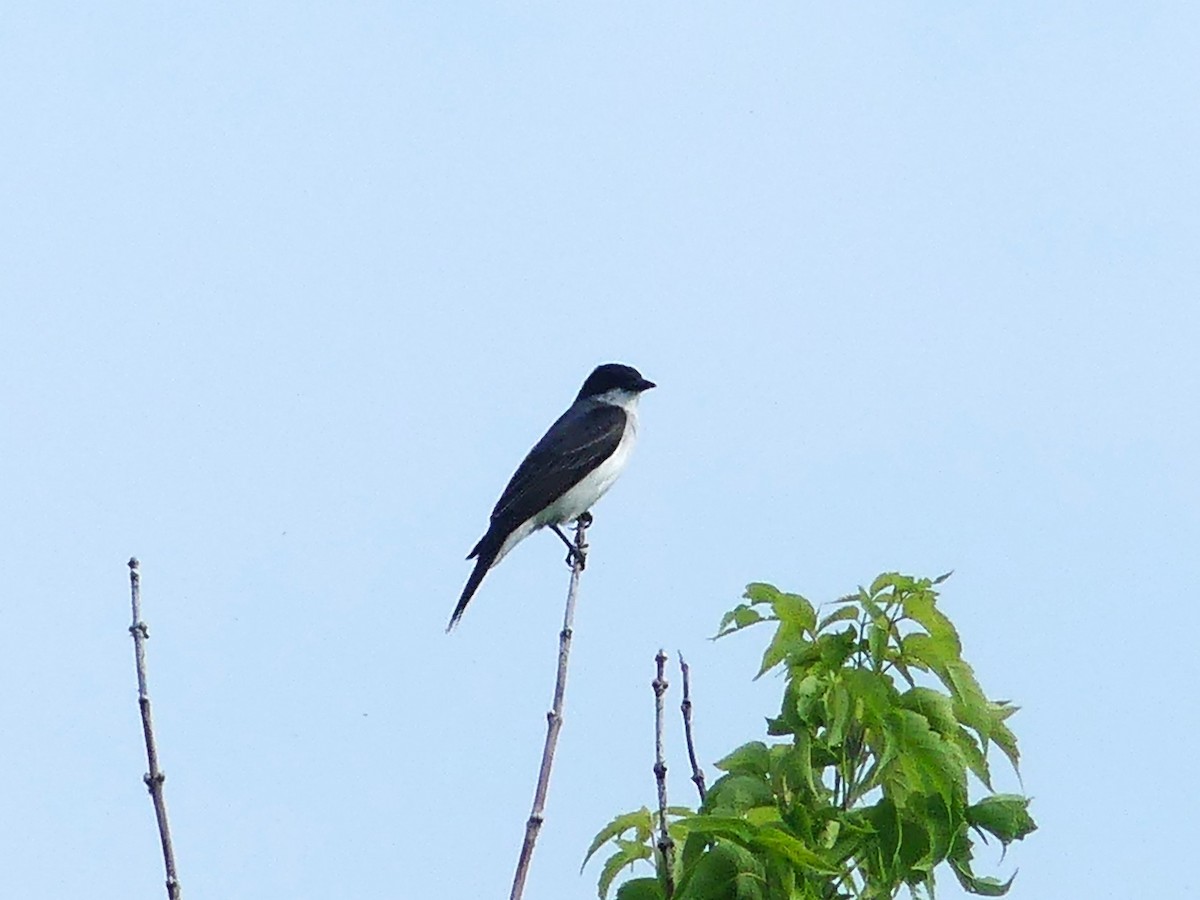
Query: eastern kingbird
pixel 567 471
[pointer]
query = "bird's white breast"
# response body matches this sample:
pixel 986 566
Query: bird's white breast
pixel 593 486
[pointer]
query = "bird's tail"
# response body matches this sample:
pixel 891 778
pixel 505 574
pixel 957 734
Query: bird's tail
pixel 484 554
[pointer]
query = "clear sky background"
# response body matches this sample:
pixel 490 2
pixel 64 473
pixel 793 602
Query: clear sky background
pixel 286 293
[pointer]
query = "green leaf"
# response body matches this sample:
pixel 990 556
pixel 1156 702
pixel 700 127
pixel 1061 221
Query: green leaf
pixel 640 820
pixel 628 852
pixel 734 794
pixel 924 652
pixel 761 592
pixel 802 764
pixel 788 640
pixel 873 609
pixel 763 815
pixel 873 695
pixel 884 846
pixel 726 872
pixel 1004 815
pixel 877 640
pixel 1000 733
pixel 842 615
pixel 922 762
pixel 749 759
pixel 985 886
pixel 731 827
pixel 884 581
pixel 741 616
pixel 641 889
pixel 971 706
pixel 776 840
pixel 921 607
pixel 806 698
pixel 834 649
pixel 935 706
pixel 837 713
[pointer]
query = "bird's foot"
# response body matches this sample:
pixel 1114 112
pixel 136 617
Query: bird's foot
pixel 576 556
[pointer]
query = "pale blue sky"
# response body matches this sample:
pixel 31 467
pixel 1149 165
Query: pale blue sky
pixel 288 291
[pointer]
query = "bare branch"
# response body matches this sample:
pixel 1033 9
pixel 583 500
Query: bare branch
pixel 154 778
pixel 666 845
pixel 577 560
pixel 686 708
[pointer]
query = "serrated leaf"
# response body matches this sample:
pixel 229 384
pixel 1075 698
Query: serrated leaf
pixel 873 694
pixel 763 815
pixel 882 581
pixel 922 761
pixel 628 852
pixel 641 820
pixel 933 705
pixel 927 654
pixel 921 607
pixel 726 872
pixel 788 640
pixel 730 827
pixel 834 649
pixel 1004 738
pixel 776 840
pixel 805 697
pixel 1004 815
pixel 971 707
pixel 877 640
pixel 985 886
pixel 741 616
pixel 874 611
pixel 761 592
pixel 804 765
pixel 844 614
pixel 641 889
pixel 837 713
pixel 734 794
pixel 795 610
pixel 752 758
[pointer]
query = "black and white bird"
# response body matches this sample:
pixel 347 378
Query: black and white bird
pixel 567 471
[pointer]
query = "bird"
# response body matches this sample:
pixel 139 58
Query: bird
pixel 567 471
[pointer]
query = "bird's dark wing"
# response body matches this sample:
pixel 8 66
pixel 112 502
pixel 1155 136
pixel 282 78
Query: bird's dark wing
pixel 582 438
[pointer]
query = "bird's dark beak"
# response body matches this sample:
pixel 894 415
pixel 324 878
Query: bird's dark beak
pixel 645 385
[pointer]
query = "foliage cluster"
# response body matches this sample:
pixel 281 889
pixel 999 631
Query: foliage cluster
pixel 865 788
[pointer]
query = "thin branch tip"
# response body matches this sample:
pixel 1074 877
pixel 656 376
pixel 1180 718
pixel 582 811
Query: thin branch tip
pixel 577 559
pixel 154 778
pixel 665 844
pixel 686 708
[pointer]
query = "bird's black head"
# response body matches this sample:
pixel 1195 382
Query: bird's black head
pixel 614 377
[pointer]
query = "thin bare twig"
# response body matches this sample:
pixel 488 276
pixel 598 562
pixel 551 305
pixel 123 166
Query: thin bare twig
pixel 666 845
pixel 554 718
pixel 686 708
pixel 154 778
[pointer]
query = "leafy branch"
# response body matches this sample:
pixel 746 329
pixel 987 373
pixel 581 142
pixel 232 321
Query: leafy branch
pixel 864 789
